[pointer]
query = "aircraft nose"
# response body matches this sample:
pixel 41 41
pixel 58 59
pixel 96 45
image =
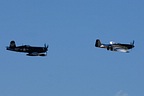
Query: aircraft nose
pixel 45 49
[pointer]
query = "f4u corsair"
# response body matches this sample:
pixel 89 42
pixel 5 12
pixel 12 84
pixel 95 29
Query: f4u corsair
pixel 115 46
pixel 32 51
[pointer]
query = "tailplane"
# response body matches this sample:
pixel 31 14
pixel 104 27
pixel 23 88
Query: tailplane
pixel 97 43
pixel 12 44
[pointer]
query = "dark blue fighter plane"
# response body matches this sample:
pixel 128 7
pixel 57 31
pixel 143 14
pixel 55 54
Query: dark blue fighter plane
pixel 31 50
pixel 115 46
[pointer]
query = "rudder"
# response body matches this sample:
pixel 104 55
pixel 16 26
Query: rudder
pixel 97 43
pixel 12 44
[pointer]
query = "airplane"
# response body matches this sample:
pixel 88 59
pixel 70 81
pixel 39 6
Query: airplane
pixel 115 46
pixel 31 50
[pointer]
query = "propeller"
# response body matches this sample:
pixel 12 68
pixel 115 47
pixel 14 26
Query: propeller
pixel 46 47
pixel 132 43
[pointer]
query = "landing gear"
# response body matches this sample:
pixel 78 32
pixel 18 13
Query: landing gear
pixel 110 48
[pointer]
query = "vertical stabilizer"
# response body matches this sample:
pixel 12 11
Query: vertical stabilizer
pixel 97 43
pixel 12 44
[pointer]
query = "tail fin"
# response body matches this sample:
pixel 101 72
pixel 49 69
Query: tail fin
pixel 12 44
pixel 97 43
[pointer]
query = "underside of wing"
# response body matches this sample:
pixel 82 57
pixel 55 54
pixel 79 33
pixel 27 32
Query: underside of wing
pixel 121 50
pixel 36 54
pixel 32 54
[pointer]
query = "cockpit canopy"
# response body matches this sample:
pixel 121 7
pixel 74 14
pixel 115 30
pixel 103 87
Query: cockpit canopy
pixel 111 42
pixel 27 45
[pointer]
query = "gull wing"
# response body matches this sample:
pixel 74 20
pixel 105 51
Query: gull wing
pixel 36 54
pixel 33 54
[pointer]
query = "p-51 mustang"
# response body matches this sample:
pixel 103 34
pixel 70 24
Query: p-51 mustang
pixel 115 46
pixel 32 51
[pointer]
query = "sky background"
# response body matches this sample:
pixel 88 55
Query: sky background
pixel 73 67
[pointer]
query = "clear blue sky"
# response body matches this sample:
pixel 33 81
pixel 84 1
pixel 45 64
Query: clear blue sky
pixel 73 67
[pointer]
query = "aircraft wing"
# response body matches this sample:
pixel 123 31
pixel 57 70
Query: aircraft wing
pixel 33 54
pixel 121 50
pixel 36 54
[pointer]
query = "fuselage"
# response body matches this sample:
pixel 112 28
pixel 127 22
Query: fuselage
pixel 127 46
pixel 28 49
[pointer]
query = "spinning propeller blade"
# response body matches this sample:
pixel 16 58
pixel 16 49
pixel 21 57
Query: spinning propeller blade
pixel 132 43
pixel 46 46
